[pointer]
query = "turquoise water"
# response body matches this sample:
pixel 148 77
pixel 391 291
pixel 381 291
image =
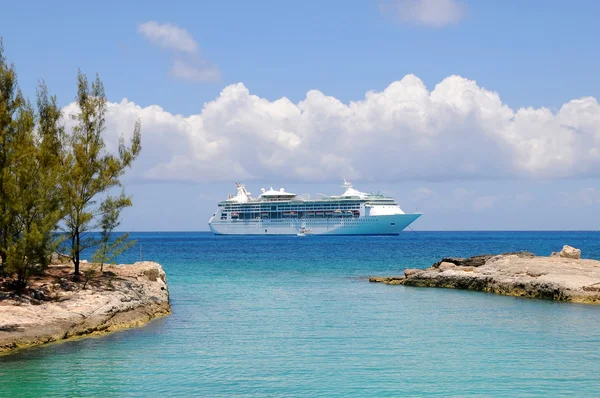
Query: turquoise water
pixel 289 316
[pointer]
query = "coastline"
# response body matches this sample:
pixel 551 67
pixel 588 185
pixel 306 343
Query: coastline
pixel 563 276
pixel 124 296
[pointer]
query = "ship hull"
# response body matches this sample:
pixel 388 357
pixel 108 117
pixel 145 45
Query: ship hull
pixel 371 225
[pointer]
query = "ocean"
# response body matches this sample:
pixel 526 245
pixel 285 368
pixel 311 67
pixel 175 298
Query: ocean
pixel 296 316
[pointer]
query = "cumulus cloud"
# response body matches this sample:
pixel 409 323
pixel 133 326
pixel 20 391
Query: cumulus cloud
pixel 433 13
pixel 194 67
pixel 456 131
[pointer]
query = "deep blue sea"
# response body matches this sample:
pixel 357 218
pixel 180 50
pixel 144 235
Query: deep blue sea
pixel 296 316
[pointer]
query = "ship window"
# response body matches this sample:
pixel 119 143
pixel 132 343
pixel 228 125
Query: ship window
pixel 393 223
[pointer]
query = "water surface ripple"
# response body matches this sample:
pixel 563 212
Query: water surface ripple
pixel 290 316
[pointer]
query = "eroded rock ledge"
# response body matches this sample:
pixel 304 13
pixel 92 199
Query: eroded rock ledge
pixel 562 276
pixel 124 296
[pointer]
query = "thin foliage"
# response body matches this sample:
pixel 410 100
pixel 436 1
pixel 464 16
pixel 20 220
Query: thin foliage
pixel 110 246
pixel 51 178
pixel 92 169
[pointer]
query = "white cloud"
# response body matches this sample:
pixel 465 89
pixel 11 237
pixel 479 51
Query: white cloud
pixel 168 36
pixel 456 131
pixel 434 13
pixel 199 72
pixel 195 67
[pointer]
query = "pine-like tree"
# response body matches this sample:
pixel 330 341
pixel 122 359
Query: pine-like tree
pixel 30 175
pixel 92 170
pixel 109 247
pixel 50 179
pixel 11 102
pixel 34 194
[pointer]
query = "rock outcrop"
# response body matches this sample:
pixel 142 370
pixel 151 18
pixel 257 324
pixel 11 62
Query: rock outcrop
pixel 563 277
pixel 570 252
pixel 123 296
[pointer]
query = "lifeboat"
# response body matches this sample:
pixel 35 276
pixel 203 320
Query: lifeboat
pixel 337 212
pixel 319 213
pixel 235 214
pixel 328 213
pixel 356 213
pixel 310 213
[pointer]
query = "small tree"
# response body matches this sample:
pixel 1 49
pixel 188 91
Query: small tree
pixel 109 247
pixel 30 175
pixel 47 177
pixel 11 102
pixel 33 190
pixel 91 169
pixel 20 243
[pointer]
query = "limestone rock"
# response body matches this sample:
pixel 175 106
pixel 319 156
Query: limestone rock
pixel 478 261
pixel 60 258
pixel 570 252
pixel 444 265
pixel 388 280
pixel 452 260
pixel 519 274
pixel 65 309
pixel 412 271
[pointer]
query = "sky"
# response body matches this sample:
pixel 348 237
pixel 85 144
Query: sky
pixel 483 115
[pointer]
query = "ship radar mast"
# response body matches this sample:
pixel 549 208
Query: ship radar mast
pixel 242 196
pixel 350 191
pixel 347 184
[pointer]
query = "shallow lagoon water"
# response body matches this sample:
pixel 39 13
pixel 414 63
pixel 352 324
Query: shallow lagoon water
pixel 295 316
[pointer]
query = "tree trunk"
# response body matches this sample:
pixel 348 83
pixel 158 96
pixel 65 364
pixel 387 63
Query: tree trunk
pixel 76 253
pixel 4 243
pixel 21 279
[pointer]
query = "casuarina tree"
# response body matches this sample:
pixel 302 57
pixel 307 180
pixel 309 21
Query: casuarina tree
pixel 109 245
pixel 31 171
pixel 92 170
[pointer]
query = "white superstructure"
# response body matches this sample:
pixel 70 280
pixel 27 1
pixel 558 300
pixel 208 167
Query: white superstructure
pixel 277 212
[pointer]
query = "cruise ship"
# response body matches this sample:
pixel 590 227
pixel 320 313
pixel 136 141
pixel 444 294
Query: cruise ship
pixel 277 212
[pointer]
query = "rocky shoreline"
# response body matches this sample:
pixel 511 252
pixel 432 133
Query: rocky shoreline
pixel 562 276
pixel 55 308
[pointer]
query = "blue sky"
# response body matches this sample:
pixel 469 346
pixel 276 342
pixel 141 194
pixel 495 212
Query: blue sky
pixel 510 55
